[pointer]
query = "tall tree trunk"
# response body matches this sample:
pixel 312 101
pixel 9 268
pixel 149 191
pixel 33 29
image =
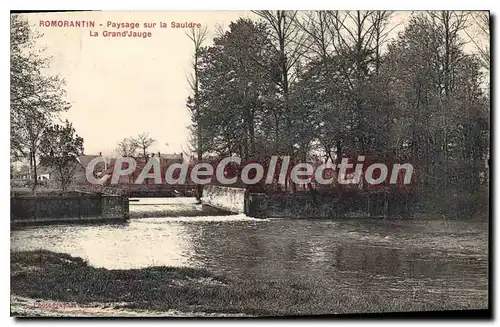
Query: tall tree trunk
pixel 197 37
pixel 35 174
pixel 62 177
pixel 338 158
pixel 199 187
pixel 251 133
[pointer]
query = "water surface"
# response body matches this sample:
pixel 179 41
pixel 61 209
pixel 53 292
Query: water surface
pixel 434 258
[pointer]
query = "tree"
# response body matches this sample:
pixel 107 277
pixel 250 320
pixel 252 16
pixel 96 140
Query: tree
pixel 29 133
pixel 358 39
pixel 13 171
pixel 35 97
pixel 197 36
pixel 290 44
pixel 144 141
pixel 482 22
pixel 235 93
pixel 127 147
pixel 331 84
pixel 441 110
pixel 339 83
pixel 60 146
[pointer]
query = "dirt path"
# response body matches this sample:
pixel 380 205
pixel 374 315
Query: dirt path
pixel 27 307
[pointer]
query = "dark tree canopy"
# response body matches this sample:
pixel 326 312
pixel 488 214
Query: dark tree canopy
pixel 331 84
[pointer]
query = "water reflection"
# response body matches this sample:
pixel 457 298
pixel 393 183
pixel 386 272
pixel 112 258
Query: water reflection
pixel 305 246
pixel 377 254
pixel 124 246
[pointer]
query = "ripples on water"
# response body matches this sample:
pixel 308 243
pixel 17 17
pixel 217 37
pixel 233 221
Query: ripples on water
pixel 439 256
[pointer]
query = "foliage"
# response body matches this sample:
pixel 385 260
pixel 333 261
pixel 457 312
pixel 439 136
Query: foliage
pixel 127 147
pixel 144 142
pixel 36 98
pixel 60 148
pixel 332 84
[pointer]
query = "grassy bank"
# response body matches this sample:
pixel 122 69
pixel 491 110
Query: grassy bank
pixel 60 277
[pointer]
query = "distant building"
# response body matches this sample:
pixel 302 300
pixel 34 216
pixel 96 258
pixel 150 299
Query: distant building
pixel 45 173
pixel 23 173
pixel 49 174
pixel 80 176
pixel 166 160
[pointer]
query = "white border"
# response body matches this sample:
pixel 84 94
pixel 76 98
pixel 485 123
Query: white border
pixel 145 5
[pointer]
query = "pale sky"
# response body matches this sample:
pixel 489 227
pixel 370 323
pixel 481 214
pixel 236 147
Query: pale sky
pixel 120 87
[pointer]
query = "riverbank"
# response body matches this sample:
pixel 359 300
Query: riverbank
pixel 48 283
pixel 28 307
pixel 70 282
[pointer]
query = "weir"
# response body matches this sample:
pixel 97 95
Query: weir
pixel 306 205
pixel 230 199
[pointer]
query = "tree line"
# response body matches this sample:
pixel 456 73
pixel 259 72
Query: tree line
pixel 36 100
pixel 333 84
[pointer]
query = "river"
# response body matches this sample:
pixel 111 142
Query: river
pixel 437 259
